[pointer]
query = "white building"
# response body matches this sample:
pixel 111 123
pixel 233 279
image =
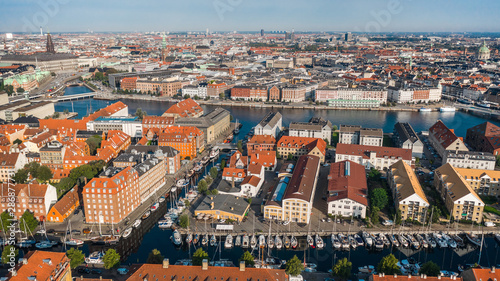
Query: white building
pixel 414 94
pixel 405 137
pixel 317 127
pixel 131 126
pixel 270 125
pixel 377 157
pixel 352 94
pixel 470 160
pixel 193 90
pixel 351 134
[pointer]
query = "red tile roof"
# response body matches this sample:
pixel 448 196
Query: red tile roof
pixel 443 134
pixel 381 151
pixel 302 181
pixel 348 181
pixel 44 265
pixel 306 142
pixel 185 108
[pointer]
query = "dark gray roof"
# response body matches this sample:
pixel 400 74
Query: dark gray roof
pixel 224 202
pixel 88 134
pixel 405 132
pixel 142 168
pixel 39 57
pixel 270 119
pixel 226 186
pixel 128 157
pixel 315 124
pixel 32 121
pixel 166 151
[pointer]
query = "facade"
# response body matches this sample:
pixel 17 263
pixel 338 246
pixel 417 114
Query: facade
pixel 187 140
pixel 129 83
pixel 52 155
pixel 484 137
pixel 293 93
pixel 350 95
pixel 353 103
pixel 442 139
pixel 131 126
pixel 470 159
pixel 414 94
pixel 151 177
pixel 170 155
pixel 377 157
pixel 37 198
pixel 292 201
pixel 274 93
pixel 214 90
pixel 112 196
pixel 483 53
pixel 347 190
pixel 352 134
pixel 43 266
pixel 10 163
pixel 270 125
pixel 261 143
pixel 298 146
pixel 199 90
pixel 38 110
pixel 484 182
pixel 317 127
pixel 405 137
pixel 213 124
pixel 64 206
pixel 408 195
pixel 396 277
pixel 461 201
pixel 249 93
pixel 223 206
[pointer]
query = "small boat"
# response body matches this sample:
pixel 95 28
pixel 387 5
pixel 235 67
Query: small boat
pixel 229 241
pixel 460 241
pixel 414 243
pixel 352 241
pixel 127 232
pixel 293 242
pixel 393 240
pixel 440 241
pixel 197 168
pixel 402 241
pixel 190 173
pixel 422 241
pixel 262 241
pixel 189 238
pixel 196 239
pixel 26 243
pixel 451 243
pixel 430 241
pixel 155 206
pixel 483 104
pixel 146 215
pixel 379 243
pixel 214 152
pixel 204 160
pixel 335 242
pixel 237 241
pixel 270 242
pixel 44 245
pixel 464 101
pixel 74 242
pixel 424 109
pixel 359 240
pixel 310 267
pixel 447 109
pixel 473 239
pixel 161 199
pixel 253 242
pixel 278 242
pixel 344 241
pixel 165 223
pixel 182 183
pixel 213 241
pixel 204 240
pixel 367 269
pixel 245 241
pixel 176 238
pixel 310 241
pixel 368 239
pixel 137 223
pixel 95 258
pixel 286 242
pixel 319 242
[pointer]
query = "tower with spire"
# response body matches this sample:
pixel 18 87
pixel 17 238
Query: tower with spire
pixel 164 48
pixel 50 44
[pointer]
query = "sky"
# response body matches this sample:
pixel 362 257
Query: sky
pixel 250 15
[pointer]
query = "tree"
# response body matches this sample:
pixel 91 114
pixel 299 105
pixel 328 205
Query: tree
pixel 223 163
pixel 379 198
pixel 111 259
pixel 76 257
pixel 239 145
pixel 6 219
pixel 140 113
pixel 398 217
pixel 199 256
pixel 21 176
pixel 28 222
pixel 66 111
pixel 32 168
pixel 186 96
pixel 155 257
pixel 290 157
pixel 17 141
pixel 222 96
pixel 209 180
pixel 374 215
pixel 430 269
pixel 342 269
pixel 94 142
pixel 184 221
pixel 214 172
pixel 388 265
pixel 214 192
pixel 44 174
pixel 9 254
pixel 20 90
pixel 294 266
pixel 9 89
pixel 335 128
pixel 374 174
pixel 202 186
pixel 436 213
pixel 247 258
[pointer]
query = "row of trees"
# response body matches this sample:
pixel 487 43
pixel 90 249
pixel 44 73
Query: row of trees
pixel 35 170
pixel 80 176
pixel 111 258
pixel 27 222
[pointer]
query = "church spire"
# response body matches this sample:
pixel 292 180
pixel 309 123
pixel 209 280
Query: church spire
pixel 50 44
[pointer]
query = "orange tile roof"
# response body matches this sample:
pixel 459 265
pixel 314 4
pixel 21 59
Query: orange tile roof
pixel 263 139
pixel 185 108
pixel 364 150
pixel 42 264
pixel 298 142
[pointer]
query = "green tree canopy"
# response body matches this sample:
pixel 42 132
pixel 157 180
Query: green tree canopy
pixel 239 145
pixel 374 174
pixel 202 186
pixel 6 219
pixel 342 269
pixel 28 222
pixel 209 180
pixel 94 142
pixel 214 172
pixel 7 256
pixel 199 256
pixel 44 174
pixel 374 215
pixel 32 168
pixel 21 176
pixel 18 141
pixel 184 221
pixel 247 258
pixel 223 163
pixel 388 265
pixel 76 257
pixel 111 259
pixel 430 268
pixel 155 257
pixel 140 113
pixel 294 266
pixel 379 198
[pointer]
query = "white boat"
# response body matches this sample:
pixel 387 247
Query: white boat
pixel 262 241
pixel 182 183
pixel 447 109
pixel 335 242
pixel 319 242
pixel 74 242
pixel 473 239
pixel 165 223
pixel 310 241
pixel 95 258
pixel 293 242
pixel 425 109
pixel 204 240
pixel 161 199
pixel 229 241
pixel 189 238
pixel 176 238
pixel 204 160
pixel 368 239
pixel 146 215
pixel 278 242
pixel 155 206
pixel 213 241
pixel 483 104
pixel 127 232
pixel 270 242
pixel 286 242
pixel 367 269
pixel 358 240
pixel 215 152
pixel 253 242
pixel 310 267
pixel 137 223
pixel 237 241
pixel 245 242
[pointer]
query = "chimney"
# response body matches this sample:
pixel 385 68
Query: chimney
pixel 425 276
pixel 242 265
pixel 212 206
pixel 204 264
pixel 14 272
pixel 100 277
pixel 166 263
pixel 395 276
pixel 25 261
pixel 492 269
pixel 409 276
pixel 380 274
pixel 439 277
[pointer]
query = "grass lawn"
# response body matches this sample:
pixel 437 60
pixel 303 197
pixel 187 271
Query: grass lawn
pixel 489 209
pixel 387 141
pixel 488 200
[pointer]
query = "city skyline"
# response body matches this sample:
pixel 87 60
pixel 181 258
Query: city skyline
pixel 228 15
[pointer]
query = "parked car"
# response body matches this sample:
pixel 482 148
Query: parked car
pixel 83 270
pixel 87 231
pixel 96 271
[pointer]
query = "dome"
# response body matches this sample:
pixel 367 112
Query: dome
pixel 484 48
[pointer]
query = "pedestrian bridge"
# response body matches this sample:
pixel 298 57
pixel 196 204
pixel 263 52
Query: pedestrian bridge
pixel 75 97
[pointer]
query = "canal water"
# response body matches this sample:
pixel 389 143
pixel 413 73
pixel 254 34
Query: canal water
pixel 139 244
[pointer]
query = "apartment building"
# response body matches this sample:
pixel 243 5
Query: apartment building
pixel 10 163
pixel 112 196
pixel 470 159
pixel 271 125
pixel 170 155
pixel 131 126
pixel 261 143
pixel 347 190
pixel 36 198
pixel 484 182
pixel 405 137
pixel 408 195
pixel 352 134
pixel 317 127
pixel 414 94
pixel 249 93
pixel 41 265
pixel 443 139
pixel 184 108
pixel 484 137
pixel 292 199
pixel 151 177
pixel 52 155
pixel 293 93
pixel 214 90
pixel 187 140
pixel 299 146
pixel 377 157
pixel 460 199
pixel 352 94
pixel 213 124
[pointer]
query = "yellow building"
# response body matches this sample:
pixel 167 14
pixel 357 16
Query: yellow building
pixel 484 182
pixel 298 146
pixel 460 199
